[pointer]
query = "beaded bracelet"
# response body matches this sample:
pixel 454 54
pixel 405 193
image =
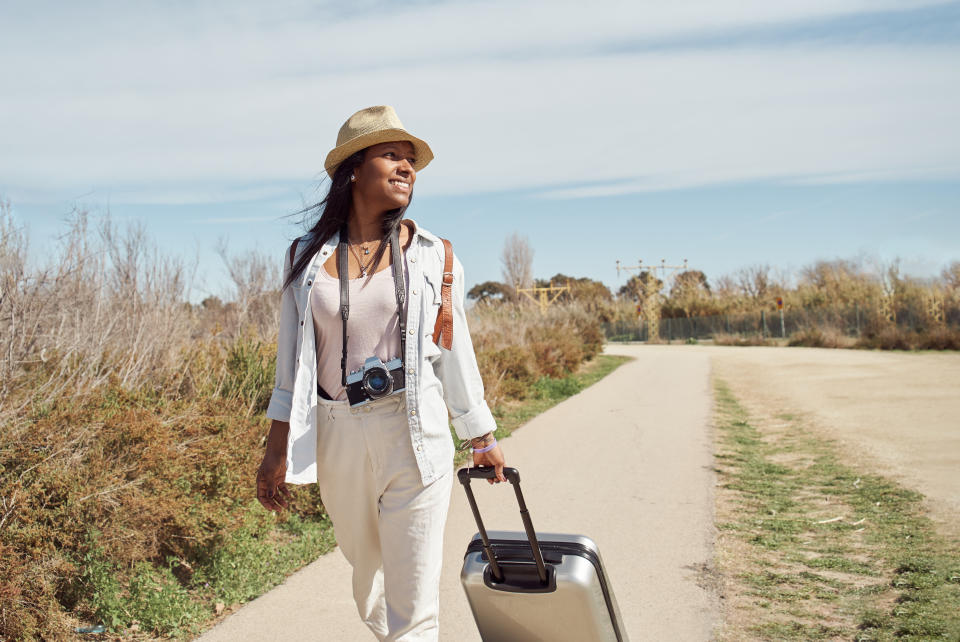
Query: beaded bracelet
pixel 485 449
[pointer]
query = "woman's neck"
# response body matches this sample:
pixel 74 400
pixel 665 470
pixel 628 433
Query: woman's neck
pixel 364 227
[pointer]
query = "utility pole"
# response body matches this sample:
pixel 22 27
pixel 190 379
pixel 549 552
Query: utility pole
pixel 649 308
pixel 640 267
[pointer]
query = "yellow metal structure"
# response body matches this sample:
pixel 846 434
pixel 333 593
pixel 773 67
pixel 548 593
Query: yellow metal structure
pixel 887 310
pixel 934 303
pixel 544 296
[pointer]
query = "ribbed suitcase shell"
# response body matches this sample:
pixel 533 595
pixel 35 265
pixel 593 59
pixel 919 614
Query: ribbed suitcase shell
pixel 580 607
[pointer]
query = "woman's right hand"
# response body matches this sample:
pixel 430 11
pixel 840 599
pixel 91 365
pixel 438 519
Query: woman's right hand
pixel 272 491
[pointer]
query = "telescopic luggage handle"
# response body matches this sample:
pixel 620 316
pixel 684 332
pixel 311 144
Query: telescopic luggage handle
pixel 487 472
pixel 513 476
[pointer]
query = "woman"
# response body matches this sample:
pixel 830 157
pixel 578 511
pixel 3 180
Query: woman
pixel 384 463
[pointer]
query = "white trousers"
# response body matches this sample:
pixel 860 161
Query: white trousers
pixel 387 523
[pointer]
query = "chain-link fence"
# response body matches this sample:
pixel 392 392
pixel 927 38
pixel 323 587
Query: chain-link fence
pixel 853 321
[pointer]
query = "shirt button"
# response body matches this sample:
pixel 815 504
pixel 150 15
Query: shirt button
pixel 301 323
pixel 410 371
pixel 414 291
pixel 410 331
pixel 412 260
pixel 413 413
pixel 419 447
pixel 309 282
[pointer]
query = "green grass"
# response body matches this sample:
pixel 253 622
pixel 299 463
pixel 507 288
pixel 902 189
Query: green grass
pixel 879 572
pixel 245 563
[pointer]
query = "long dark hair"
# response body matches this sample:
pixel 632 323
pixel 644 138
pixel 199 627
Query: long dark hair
pixel 334 210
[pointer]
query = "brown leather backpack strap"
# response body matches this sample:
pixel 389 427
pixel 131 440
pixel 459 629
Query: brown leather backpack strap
pixel 444 325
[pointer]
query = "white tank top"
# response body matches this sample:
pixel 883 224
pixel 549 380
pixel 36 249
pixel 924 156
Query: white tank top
pixel 373 328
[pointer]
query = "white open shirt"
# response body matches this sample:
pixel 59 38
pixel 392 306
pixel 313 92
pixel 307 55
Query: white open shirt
pixel 437 380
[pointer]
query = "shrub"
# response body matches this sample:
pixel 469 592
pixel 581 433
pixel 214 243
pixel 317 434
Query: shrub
pixel 556 349
pixel 888 337
pixel 821 337
pixel 506 373
pixel 723 339
pixel 940 338
pixel 516 345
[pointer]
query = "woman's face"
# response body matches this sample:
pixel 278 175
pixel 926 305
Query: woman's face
pixel 385 177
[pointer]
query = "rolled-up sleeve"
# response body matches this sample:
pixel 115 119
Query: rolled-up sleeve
pixel 458 372
pixel 282 397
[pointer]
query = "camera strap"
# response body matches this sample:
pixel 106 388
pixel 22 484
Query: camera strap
pixel 343 272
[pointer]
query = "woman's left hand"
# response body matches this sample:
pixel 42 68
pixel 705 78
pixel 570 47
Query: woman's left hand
pixel 493 457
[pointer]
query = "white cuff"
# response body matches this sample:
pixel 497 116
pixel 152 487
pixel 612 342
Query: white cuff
pixel 281 401
pixel 474 423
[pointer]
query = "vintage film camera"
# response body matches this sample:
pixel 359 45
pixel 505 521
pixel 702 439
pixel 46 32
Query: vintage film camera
pixel 375 380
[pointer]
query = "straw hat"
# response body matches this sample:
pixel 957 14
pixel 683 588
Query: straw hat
pixel 371 126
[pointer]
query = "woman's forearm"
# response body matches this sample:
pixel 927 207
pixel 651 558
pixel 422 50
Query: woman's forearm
pixel 277 439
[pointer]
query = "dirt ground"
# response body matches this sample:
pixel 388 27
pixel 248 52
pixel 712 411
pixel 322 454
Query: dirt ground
pixel 894 413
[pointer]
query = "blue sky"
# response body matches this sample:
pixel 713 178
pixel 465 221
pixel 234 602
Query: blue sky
pixel 725 133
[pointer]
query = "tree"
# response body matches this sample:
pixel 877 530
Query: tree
pixel 594 296
pixel 517 262
pixel 951 277
pixel 754 281
pixel 689 295
pixel 640 287
pixel 835 282
pixel 489 291
pixel 583 289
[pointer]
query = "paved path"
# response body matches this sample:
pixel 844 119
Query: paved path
pixel 627 462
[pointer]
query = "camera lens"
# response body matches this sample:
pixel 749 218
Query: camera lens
pixel 377 382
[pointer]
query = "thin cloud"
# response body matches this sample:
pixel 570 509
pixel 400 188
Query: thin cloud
pixel 511 97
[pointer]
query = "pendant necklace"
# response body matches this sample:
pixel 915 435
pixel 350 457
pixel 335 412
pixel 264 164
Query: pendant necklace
pixel 363 268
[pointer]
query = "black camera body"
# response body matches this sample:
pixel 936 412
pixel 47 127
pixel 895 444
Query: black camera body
pixel 375 380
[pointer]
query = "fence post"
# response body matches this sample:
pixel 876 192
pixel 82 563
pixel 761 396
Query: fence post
pixel 857 306
pixel 763 323
pixel 783 328
pixel 669 330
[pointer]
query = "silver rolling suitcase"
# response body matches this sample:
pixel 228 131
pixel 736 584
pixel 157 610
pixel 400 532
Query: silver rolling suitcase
pixel 529 586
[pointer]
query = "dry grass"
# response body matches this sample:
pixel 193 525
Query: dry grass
pixel 105 308
pixel 725 339
pixel 822 337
